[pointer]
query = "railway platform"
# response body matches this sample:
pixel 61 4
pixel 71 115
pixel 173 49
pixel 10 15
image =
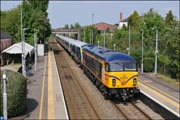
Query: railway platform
pixel 163 93
pixel 45 98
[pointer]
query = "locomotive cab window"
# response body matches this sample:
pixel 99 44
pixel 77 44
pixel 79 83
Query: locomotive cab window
pixel 130 67
pixel 115 67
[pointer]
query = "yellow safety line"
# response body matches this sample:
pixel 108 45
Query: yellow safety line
pixel 42 93
pixel 160 95
pixel 50 91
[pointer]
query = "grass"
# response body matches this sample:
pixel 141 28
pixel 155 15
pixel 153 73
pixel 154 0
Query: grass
pixel 168 79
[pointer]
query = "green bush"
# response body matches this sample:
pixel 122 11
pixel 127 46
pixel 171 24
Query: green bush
pixel 148 64
pixel 16 93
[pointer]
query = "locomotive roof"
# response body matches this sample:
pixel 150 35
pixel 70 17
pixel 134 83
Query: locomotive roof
pixel 107 54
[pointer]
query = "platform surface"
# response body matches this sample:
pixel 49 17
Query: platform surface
pixel 164 93
pixel 45 98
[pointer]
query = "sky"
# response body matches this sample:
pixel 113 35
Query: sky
pixel 70 12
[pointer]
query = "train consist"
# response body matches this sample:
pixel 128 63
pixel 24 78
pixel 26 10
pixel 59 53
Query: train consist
pixel 115 74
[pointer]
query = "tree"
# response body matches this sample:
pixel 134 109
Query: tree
pixel 169 19
pixel 152 22
pixel 77 25
pixel 38 19
pixel 10 23
pixel 66 26
pixel 134 20
pixel 71 27
pixel 34 15
pixel 87 34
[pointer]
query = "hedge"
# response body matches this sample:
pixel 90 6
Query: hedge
pixel 16 94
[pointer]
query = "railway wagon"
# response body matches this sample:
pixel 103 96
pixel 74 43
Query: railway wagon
pixel 66 42
pixel 77 50
pixel 114 73
pixel 73 47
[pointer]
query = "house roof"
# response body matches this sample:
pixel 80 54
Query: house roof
pixel 17 48
pixel 5 35
pixel 105 26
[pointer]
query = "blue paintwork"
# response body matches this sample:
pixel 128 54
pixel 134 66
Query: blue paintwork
pixel 107 54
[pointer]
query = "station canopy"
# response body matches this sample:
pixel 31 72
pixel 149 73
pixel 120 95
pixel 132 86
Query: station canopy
pixel 17 48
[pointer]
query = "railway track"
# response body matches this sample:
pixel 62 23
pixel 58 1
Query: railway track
pixel 78 104
pixel 131 111
pixel 84 101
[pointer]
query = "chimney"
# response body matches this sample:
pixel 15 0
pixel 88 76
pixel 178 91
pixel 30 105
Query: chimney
pixel 120 16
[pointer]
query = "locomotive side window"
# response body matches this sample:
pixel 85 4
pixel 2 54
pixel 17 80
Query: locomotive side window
pixel 107 67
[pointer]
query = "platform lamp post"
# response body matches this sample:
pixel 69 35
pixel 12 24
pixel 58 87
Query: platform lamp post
pixel 142 66
pixel 22 40
pixel 129 41
pixel 90 39
pixel 35 50
pixel 22 43
pixel 4 78
pixel 23 52
pixel 114 46
pixel 84 36
pixel 92 25
pixel 156 52
pixel 104 38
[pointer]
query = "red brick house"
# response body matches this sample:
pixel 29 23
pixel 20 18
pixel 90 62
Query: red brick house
pixel 105 26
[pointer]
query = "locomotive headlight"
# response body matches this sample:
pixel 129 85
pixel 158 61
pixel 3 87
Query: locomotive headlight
pixel 134 81
pixel 113 82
